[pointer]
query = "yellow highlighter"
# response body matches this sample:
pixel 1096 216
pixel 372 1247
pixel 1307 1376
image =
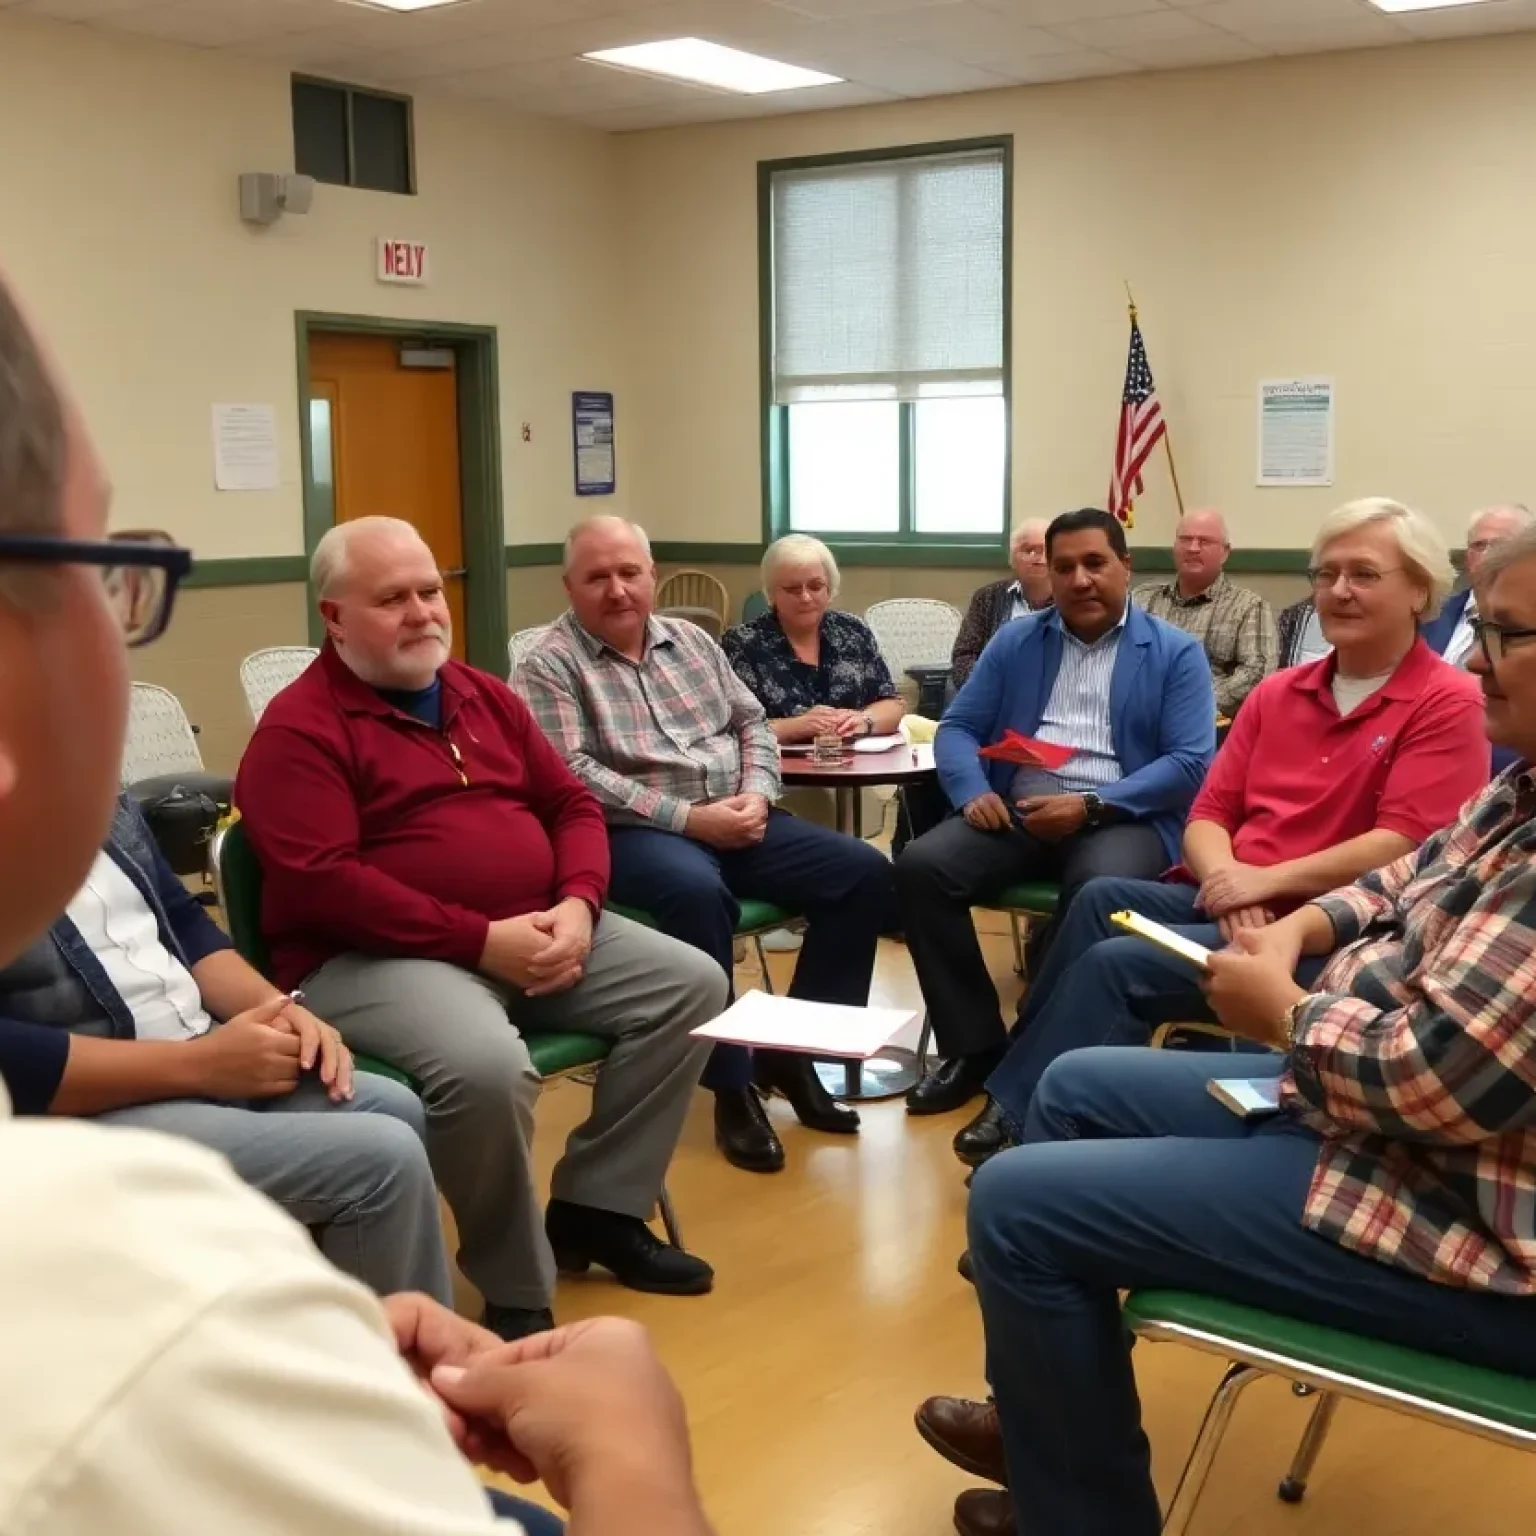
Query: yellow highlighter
pixel 1164 937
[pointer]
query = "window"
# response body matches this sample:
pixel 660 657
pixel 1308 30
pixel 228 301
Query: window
pixel 352 137
pixel 885 337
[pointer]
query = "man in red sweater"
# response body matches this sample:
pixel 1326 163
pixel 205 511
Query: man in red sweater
pixel 434 876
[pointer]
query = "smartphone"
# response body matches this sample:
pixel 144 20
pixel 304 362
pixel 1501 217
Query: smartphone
pixel 1249 1098
pixel 1165 938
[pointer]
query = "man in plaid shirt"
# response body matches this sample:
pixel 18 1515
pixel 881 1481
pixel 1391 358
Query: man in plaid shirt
pixel 651 718
pixel 1393 1195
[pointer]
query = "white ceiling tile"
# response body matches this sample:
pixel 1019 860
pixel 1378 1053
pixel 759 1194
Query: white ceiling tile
pixel 1190 52
pixel 1049 13
pixel 909 71
pixel 1310 25
pixel 842 10
pixel 1078 65
pixel 80 10
pixel 975 36
pixel 1162 26
pixel 634 119
pixel 1242 15
pixel 213 23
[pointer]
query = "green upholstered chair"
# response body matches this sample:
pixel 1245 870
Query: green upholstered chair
pixel 1028 902
pixel 1330 1364
pixel 237 884
pixel 756 919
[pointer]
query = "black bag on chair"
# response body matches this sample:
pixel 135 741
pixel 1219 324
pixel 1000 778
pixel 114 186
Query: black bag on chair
pixel 182 811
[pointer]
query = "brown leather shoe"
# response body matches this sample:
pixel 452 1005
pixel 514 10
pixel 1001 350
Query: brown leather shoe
pixel 985 1512
pixel 966 1434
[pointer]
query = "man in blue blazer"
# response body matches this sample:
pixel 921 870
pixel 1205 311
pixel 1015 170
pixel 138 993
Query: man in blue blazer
pixel 1132 698
pixel 1449 633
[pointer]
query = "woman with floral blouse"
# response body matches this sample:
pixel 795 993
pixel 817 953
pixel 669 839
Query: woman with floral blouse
pixel 815 670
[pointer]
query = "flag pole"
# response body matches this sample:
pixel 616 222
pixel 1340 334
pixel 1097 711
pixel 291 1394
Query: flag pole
pixel 1173 469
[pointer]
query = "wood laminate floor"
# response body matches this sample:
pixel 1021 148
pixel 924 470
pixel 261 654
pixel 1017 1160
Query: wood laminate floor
pixel 837 1309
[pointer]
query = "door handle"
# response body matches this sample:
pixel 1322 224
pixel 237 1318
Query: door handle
pixel 458 570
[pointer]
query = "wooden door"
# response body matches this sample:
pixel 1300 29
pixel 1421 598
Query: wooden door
pixel 394 443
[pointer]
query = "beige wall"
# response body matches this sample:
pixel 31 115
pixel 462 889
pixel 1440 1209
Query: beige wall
pixel 121 227
pixel 1365 215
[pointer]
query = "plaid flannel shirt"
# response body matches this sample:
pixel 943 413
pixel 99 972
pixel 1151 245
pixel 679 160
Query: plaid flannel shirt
pixel 1415 1058
pixel 655 737
pixel 1235 625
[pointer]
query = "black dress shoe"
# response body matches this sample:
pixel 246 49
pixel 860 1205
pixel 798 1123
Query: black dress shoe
pixel 512 1323
pixel 795 1077
pixel 984 1137
pixel 951 1085
pixel 582 1235
pixel 743 1134
pixel 966 1268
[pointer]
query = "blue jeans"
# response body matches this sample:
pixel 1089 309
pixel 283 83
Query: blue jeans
pixel 1133 1175
pixel 1098 986
pixel 844 888
pixel 534 1520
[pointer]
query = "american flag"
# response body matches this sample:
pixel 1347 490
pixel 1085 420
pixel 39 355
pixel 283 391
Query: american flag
pixel 1141 429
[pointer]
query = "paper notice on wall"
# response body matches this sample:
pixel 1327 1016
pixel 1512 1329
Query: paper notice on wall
pixel 1296 422
pixel 245 447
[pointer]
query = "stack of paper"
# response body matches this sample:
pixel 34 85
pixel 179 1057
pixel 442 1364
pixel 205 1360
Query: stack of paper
pixel 815 1029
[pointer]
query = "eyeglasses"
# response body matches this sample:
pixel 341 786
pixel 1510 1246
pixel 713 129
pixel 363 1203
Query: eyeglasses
pixel 1195 541
pixel 1497 639
pixel 140 571
pixel 1362 579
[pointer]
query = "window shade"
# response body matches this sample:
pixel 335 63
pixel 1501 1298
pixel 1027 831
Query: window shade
pixel 888 279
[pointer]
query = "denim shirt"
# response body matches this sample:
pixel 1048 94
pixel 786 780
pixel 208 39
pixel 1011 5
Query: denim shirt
pixel 59 987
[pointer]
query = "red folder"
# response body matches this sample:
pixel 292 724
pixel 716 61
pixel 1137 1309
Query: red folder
pixel 1027 752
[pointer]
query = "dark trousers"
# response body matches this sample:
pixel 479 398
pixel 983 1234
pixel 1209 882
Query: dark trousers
pixel 534 1520
pixel 944 873
pixel 1134 1175
pixel 841 885
pixel 1099 986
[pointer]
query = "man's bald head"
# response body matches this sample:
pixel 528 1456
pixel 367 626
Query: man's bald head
pixel 1200 549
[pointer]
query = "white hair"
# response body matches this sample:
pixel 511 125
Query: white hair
pixel 799 549
pixel 1420 543
pixel 1521 513
pixel 591 525
pixel 328 564
pixel 1017 536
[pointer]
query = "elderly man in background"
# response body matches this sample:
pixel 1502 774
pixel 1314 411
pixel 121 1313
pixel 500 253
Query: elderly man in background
pixel 1235 625
pixel 435 877
pixel 676 748
pixel 995 604
pixel 1450 632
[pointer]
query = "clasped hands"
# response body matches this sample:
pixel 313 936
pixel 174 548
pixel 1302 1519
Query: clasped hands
pixel 823 720
pixel 558 1407
pixel 1048 817
pixel 739 821
pixel 540 953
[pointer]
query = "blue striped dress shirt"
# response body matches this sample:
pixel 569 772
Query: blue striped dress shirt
pixel 1077 713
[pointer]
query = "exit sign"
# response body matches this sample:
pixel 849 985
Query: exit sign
pixel 402 261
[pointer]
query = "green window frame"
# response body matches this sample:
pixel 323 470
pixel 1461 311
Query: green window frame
pixel 907 546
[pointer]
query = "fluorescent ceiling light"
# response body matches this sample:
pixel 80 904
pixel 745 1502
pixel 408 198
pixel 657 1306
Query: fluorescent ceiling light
pixel 405 5
pixel 701 63
pixel 1422 5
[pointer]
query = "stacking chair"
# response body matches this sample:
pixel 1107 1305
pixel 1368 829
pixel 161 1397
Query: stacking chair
pixel 264 674
pixel 519 645
pixel 916 636
pixel 163 770
pixel 698 597
pixel 1330 1363
pixel 237 880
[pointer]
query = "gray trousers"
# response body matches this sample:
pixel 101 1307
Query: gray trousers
pixel 459 1035
pixel 356 1174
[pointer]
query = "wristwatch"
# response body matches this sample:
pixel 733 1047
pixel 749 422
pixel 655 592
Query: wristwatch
pixel 1093 809
pixel 869 724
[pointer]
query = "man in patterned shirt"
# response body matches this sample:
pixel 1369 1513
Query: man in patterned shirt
pixel 1390 1195
pixel 1235 625
pixel 676 748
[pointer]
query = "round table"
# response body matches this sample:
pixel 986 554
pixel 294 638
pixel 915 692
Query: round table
pixel 895 1069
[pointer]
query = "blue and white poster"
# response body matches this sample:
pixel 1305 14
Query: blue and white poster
pixel 592 429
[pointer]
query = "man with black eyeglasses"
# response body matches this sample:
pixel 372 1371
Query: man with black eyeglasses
pixel 1389 1195
pixel 175 1355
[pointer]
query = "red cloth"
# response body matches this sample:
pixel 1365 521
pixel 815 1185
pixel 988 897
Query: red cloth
pixel 1293 778
pixel 370 840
